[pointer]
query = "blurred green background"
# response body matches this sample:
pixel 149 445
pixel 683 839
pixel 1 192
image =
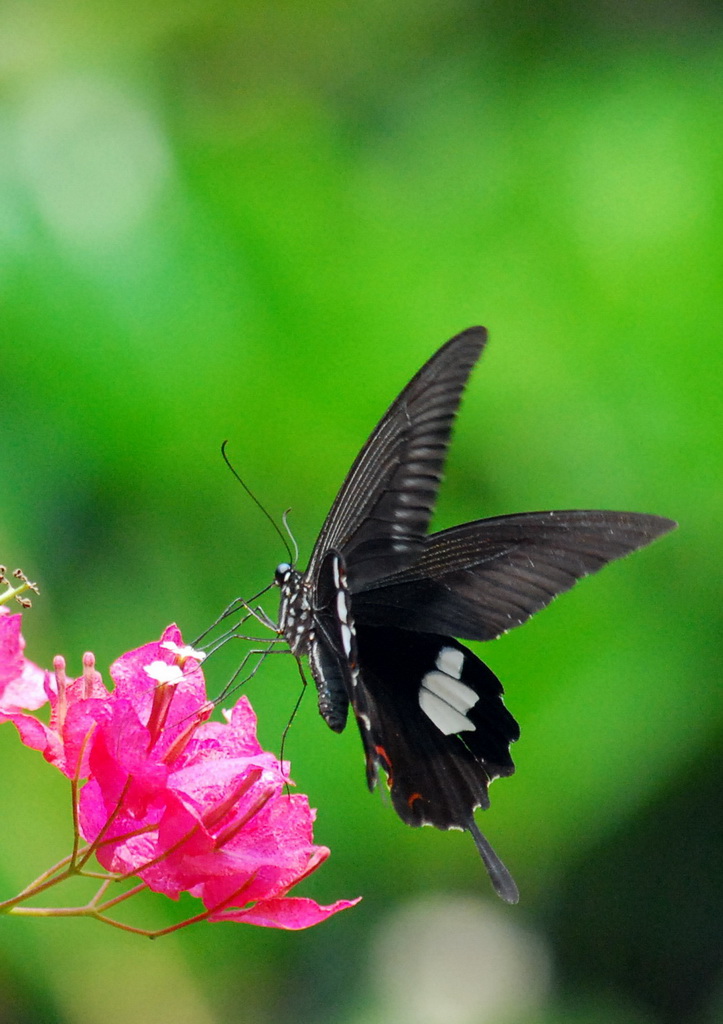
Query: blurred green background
pixel 255 221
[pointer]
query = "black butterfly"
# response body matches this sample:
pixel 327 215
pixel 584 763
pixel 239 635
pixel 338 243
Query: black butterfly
pixel 381 600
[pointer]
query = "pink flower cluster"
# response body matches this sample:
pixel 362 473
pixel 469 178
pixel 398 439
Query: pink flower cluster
pixel 185 803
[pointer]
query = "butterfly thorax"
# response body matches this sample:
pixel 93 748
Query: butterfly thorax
pixel 296 621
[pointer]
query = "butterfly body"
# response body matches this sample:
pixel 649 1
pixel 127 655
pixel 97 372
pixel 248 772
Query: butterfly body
pixel 382 605
pixel 295 610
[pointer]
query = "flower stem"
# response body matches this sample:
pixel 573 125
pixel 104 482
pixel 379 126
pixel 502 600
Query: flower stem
pixel 51 911
pixel 58 873
pixel 87 911
pixel 176 927
pixel 101 907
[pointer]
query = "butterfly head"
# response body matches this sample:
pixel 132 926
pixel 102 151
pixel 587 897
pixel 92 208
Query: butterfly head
pixel 283 574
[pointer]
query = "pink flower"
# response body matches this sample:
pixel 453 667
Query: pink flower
pixel 25 686
pixel 22 684
pixel 185 803
pixel 76 705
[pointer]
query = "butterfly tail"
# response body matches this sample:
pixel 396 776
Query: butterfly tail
pixel 502 881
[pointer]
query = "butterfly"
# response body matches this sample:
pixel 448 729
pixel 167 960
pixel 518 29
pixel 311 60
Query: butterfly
pixel 380 610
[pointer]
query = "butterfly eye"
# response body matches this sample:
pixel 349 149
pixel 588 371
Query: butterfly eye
pixel 282 571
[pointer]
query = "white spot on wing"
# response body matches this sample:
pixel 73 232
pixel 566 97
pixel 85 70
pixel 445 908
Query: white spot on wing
pixel 442 714
pixel 458 695
pixel 443 698
pixel 346 638
pixel 450 661
pixel 341 606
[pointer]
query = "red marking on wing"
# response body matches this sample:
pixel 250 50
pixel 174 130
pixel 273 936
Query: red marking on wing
pixel 383 756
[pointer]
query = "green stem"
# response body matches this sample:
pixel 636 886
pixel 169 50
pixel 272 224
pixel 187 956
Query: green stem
pixel 101 907
pixel 87 911
pixel 39 885
pixel 12 591
pixel 64 863
pixel 52 911
pixel 101 891
pixel 176 927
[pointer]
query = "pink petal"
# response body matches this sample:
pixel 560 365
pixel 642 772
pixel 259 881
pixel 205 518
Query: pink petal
pixel 209 784
pixel 292 913
pixel 121 763
pixel 128 844
pixel 236 738
pixel 129 857
pixel 22 683
pixel 133 683
pixel 35 734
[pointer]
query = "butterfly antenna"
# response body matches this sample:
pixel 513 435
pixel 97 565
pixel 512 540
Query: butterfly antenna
pixel 255 499
pixel 292 538
pixel 502 881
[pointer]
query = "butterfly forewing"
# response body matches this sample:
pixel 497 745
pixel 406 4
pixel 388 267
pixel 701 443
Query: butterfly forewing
pixel 381 514
pixel 482 578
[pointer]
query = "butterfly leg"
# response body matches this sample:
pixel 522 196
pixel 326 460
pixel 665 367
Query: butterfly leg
pixel 304 684
pixel 239 604
pixel 234 682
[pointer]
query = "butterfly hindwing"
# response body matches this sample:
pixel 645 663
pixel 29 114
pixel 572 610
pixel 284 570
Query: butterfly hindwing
pixel 431 716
